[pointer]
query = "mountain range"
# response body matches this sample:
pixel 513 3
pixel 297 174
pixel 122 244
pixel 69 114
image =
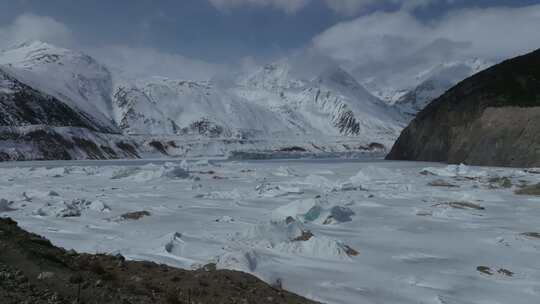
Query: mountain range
pixel 63 104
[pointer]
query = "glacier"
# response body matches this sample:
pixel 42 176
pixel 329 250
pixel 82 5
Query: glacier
pixel 393 238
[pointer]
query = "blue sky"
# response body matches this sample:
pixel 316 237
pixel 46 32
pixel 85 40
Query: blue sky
pixel 198 39
pixel 196 28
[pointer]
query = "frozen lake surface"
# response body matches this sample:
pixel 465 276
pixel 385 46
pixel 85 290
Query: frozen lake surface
pixel 337 231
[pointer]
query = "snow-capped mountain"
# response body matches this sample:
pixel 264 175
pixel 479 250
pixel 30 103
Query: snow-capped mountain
pixel 56 104
pixel 273 104
pixel 435 81
pixel 413 88
pixel 21 105
pixel 268 103
pixel 332 103
pixel 38 126
pixel 161 106
pixel 72 77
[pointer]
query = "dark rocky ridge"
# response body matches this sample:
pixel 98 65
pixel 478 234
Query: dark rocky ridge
pixel 37 126
pixel 32 270
pixel 491 118
pixel 21 105
pixel 62 143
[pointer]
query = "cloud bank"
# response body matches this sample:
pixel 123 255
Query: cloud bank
pixel 345 7
pixel 493 33
pixel 289 6
pixel 31 27
pixel 398 42
pixel 132 61
pixel 391 47
pixel 147 61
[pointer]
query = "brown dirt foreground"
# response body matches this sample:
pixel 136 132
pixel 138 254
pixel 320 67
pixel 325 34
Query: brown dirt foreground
pixel 33 271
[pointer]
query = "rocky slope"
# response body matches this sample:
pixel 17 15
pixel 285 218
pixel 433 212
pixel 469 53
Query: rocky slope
pixel 22 105
pixel 32 270
pixel 35 125
pixel 436 81
pixel 491 118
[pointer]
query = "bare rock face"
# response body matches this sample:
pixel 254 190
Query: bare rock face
pixel 21 105
pixel 38 126
pixel 491 118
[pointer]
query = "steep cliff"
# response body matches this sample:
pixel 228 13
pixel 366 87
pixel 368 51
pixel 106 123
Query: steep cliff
pixel 491 118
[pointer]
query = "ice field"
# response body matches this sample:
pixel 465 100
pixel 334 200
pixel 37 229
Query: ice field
pixel 336 231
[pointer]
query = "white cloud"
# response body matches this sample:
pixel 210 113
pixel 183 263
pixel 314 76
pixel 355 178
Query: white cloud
pixel 134 61
pixel 289 6
pixel 396 42
pixel 152 62
pixel 31 27
pixel 345 7
pixel 349 7
pixel 352 7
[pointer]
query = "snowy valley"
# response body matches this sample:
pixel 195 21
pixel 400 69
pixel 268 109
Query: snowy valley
pixel 359 231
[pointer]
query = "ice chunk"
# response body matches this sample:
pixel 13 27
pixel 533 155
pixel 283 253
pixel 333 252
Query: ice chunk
pixel 53 193
pixel 206 163
pixel 285 171
pixel 371 175
pixel 455 171
pixel 318 181
pixel 341 214
pixel 184 165
pixel 99 206
pixel 269 190
pixel 26 198
pixel 348 187
pixel 320 247
pixel 274 232
pixel 225 219
pixel 184 246
pixel 218 195
pixel 315 210
pixel 5 206
pixel 239 260
pixel 175 245
pixel 176 173
pixel 289 236
pixel 314 213
pixel 74 208
pixel 150 172
pixel 297 208
pixel 125 172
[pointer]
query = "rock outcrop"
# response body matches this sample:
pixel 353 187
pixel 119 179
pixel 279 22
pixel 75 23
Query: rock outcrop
pixel 491 118
pixel 38 126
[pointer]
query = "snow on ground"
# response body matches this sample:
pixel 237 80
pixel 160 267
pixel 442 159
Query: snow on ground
pixel 338 231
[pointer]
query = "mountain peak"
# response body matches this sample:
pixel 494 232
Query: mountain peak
pixel 339 76
pixel 71 76
pixel 28 44
pixel 275 75
pixel 32 47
